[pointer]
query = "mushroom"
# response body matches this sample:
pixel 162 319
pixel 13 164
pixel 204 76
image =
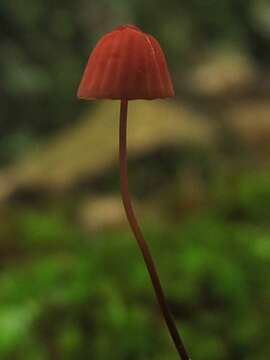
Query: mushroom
pixel 128 64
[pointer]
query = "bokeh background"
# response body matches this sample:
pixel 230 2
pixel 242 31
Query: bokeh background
pixel 72 281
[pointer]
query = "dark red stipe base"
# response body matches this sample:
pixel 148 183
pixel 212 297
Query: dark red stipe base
pixel 139 236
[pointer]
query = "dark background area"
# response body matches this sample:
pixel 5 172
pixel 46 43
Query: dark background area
pixel 73 284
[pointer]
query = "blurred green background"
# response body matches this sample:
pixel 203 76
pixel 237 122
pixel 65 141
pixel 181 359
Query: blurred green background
pixel 72 281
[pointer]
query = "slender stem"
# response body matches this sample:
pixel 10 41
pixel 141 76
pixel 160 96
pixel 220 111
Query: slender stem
pixel 139 236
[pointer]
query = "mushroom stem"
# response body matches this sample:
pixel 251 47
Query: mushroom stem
pixel 139 236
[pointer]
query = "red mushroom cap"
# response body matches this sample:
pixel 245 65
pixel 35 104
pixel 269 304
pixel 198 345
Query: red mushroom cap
pixel 126 64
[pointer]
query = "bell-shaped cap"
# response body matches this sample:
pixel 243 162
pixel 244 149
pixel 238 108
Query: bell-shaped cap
pixel 126 64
